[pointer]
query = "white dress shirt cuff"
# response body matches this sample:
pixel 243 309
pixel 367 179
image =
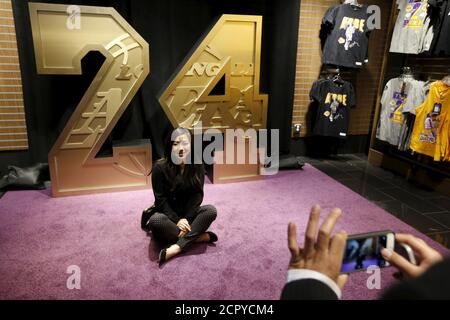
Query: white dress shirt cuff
pixel 299 274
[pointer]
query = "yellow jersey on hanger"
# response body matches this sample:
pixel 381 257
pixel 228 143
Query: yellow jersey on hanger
pixel 431 132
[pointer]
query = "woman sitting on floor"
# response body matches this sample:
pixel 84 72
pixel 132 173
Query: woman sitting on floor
pixel 178 188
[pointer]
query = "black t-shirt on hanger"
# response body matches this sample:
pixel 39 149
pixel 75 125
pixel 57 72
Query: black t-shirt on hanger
pixel 441 41
pixel 347 43
pixel 334 102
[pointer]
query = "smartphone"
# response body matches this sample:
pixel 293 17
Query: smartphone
pixel 364 250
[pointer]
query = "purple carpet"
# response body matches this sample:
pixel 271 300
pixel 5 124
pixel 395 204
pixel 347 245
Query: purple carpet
pixel 41 236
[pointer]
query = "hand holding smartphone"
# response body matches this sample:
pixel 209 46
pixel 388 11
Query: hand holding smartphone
pixel 406 252
pixel 364 250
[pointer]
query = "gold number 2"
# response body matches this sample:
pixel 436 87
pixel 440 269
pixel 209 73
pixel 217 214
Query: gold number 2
pixel 230 52
pixel 59 46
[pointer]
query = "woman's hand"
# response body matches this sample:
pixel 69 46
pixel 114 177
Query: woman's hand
pixel 182 234
pixel 425 255
pixel 184 226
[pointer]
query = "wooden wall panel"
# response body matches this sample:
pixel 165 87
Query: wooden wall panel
pixel 309 63
pixel 13 130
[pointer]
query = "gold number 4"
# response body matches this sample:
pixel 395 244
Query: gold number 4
pixel 228 57
pixel 59 48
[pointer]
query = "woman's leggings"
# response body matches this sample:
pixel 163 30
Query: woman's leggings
pixel 165 229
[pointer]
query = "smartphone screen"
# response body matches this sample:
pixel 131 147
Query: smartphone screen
pixel 363 251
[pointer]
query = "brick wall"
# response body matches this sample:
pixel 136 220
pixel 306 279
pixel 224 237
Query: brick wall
pixel 13 131
pixel 309 65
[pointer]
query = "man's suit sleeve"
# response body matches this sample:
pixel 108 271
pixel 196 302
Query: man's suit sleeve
pixel 307 289
pixel 304 284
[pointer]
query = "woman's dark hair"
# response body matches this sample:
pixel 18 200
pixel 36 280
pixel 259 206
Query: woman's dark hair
pixel 192 171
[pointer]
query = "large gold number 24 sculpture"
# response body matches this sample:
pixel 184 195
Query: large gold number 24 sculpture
pixel 230 51
pixel 59 49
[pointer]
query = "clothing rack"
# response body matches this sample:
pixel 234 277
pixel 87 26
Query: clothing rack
pixel 423 67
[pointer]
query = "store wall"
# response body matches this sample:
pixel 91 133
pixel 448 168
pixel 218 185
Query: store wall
pixel 365 81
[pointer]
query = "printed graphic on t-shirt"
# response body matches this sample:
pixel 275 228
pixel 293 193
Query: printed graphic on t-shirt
pixel 352 27
pixel 341 98
pixel 431 125
pixel 333 101
pixel 416 12
pixel 397 102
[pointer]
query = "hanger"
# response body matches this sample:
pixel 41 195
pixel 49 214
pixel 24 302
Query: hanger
pixel 353 3
pixel 407 73
pixel 337 78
